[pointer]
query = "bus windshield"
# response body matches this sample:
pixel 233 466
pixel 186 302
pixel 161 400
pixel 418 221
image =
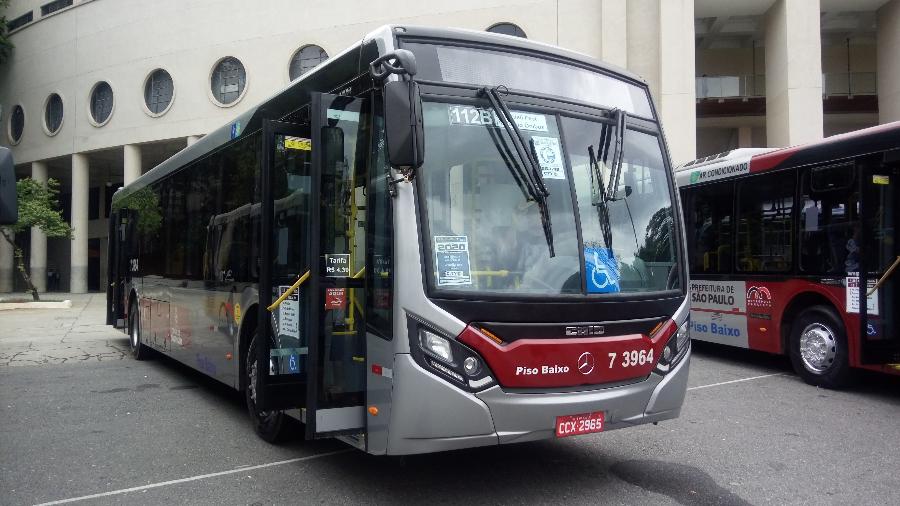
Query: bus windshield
pixel 484 231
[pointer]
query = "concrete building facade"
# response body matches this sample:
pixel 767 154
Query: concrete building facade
pixel 99 91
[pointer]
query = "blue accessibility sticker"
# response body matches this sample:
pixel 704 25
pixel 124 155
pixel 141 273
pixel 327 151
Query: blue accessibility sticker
pixel 293 364
pixel 602 270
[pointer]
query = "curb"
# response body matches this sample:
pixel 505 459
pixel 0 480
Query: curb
pixel 35 305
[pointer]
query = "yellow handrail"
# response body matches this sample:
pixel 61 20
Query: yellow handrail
pixel 359 274
pixel 289 291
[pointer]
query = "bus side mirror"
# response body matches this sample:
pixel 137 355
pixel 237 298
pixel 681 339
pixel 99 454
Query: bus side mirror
pixel 9 209
pixel 403 124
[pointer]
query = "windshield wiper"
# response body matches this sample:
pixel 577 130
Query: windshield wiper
pixel 615 166
pixel 611 153
pixel 527 170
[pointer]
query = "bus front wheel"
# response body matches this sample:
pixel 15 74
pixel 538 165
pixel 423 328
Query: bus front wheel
pixel 269 425
pixel 139 350
pixel 819 351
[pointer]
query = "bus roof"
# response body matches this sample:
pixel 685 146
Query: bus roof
pixel 383 37
pixel 739 162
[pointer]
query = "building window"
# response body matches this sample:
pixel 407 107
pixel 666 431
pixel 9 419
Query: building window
pixel 16 124
pixel 508 29
pixel 228 80
pixel 20 21
pixel 158 92
pixel 53 113
pixel 101 103
pixel 305 60
pixel 54 6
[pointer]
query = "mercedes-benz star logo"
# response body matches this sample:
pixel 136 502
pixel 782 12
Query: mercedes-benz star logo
pixel 586 363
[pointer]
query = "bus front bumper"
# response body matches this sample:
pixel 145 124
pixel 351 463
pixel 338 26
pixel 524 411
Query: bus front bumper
pixel 429 415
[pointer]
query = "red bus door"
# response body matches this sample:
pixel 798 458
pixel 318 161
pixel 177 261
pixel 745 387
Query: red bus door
pixel 877 294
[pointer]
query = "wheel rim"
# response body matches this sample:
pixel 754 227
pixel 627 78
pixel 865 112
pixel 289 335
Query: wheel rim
pixel 134 335
pixel 818 348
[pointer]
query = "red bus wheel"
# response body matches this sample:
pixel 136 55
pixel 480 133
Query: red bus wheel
pixel 818 348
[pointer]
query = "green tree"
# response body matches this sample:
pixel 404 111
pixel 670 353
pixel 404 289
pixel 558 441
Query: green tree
pixel 38 207
pixel 6 46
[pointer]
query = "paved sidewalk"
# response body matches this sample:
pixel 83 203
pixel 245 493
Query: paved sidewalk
pixel 57 336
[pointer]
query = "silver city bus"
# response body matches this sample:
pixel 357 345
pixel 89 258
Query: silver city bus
pixel 438 239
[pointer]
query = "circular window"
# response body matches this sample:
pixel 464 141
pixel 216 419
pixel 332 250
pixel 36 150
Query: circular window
pixel 53 113
pixel 101 103
pixel 508 29
pixel 158 92
pixel 16 124
pixel 305 60
pixel 228 80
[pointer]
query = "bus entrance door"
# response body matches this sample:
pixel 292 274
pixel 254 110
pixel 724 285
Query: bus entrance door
pixel 120 264
pixel 312 288
pixel 288 230
pixel 877 297
pixel 337 376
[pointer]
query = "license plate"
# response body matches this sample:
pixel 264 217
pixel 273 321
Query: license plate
pixel 573 425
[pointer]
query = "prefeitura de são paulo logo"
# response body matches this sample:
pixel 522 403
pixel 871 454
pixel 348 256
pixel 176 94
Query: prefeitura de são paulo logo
pixel 759 296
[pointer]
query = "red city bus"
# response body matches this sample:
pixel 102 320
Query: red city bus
pixel 794 251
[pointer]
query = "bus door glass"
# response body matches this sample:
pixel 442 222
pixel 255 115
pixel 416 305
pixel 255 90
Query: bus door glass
pixel 338 378
pixel 880 263
pixel 120 264
pixel 287 224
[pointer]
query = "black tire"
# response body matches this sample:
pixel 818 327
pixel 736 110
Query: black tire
pixel 818 348
pixel 139 350
pixel 269 425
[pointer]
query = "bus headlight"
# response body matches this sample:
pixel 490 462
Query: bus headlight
pixel 676 348
pixel 446 357
pixel 435 345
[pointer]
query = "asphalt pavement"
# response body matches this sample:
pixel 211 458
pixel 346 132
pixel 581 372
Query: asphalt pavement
pixel 81 421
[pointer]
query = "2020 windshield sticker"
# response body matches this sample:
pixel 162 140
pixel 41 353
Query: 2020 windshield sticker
pixel 602 270
pixel 549 156
pixel 451 258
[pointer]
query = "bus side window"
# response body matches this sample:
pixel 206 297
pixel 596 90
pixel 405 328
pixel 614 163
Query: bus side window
pixel 828 219
pixel 710 222
pixel 765 223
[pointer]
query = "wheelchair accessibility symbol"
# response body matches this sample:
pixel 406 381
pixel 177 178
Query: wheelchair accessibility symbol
pixel 293 366
pixel 603 270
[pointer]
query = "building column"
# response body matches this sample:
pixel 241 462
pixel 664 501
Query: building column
pixel 38 261
pixel 80 192
pixel 192 139
pixel 660 36
pixel 793 73
pixel 745 137
pixel 888 27
pixel 132 163
pixel 613 32
pixel 7 262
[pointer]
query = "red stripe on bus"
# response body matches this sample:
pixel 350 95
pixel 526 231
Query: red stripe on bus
pixel 568 362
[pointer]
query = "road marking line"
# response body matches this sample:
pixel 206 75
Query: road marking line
pixel 738 381
pixel 195 478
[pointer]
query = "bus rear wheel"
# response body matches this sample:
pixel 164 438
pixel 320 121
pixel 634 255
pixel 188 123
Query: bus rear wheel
pixel 819 351
pixel 139 350
pixel 269 425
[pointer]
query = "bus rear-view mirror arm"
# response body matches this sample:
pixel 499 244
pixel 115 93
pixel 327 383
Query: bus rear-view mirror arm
pixel 403 124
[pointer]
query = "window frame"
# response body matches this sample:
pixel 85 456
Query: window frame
pixel 62 119
pixel 213 96
pixel 90 104
pixel 147 81
pixel 794 235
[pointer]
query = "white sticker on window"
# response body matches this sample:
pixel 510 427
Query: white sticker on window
pixel 468 115
pixel 451 258
pixel 289 314
pixel 549 156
